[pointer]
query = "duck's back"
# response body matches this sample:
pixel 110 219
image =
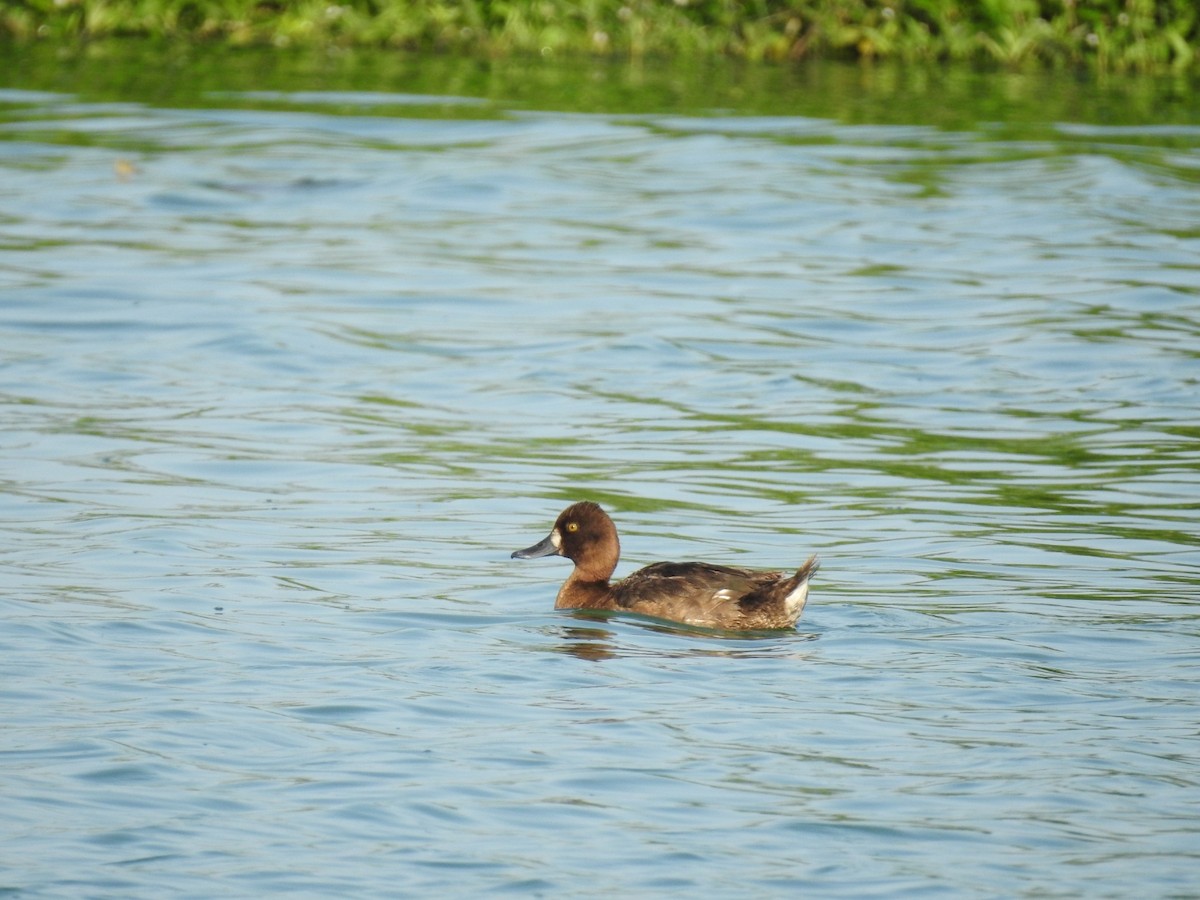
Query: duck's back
pixel 715 596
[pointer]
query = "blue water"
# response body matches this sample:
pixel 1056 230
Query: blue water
pixel 285 378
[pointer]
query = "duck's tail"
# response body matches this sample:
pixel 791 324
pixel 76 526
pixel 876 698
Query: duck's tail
pixel 797 588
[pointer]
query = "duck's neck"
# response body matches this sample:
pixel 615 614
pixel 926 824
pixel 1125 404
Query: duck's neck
pixel 581 593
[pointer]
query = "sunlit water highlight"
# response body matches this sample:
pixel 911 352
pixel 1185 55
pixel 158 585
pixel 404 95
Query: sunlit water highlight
pixel 285 378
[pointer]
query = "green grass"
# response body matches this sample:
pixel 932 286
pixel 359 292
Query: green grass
pixel 1109 35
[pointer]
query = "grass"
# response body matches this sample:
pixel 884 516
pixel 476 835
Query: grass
pixel 1109 35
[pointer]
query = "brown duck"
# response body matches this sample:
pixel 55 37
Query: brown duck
pixel 693 593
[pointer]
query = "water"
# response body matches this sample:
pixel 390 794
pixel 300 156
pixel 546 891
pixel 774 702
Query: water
pixel 292 358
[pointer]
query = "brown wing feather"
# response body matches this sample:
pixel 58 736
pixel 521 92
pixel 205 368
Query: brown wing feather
pixel 686 590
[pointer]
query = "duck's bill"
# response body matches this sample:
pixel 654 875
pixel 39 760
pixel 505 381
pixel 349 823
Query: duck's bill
pixel 547 547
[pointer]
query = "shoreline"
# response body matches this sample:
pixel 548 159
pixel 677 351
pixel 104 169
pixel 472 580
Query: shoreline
pixel 1143 36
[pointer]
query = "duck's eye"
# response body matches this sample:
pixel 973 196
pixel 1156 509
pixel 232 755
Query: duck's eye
pixel 572 526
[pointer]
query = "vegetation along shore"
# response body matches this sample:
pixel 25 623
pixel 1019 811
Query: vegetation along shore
pixel 1109 35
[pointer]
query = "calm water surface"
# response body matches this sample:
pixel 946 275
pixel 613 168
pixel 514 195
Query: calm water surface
pixel 289 366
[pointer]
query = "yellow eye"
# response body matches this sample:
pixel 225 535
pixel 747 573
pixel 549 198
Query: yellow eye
pixel 572 526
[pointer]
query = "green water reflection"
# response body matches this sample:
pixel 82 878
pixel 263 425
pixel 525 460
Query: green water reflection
pixel 196 76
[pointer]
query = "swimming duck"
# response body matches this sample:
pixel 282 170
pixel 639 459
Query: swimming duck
pixel 693 593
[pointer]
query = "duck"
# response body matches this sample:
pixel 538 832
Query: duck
pixel 698 594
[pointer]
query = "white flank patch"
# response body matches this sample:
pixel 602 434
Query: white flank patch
pixel 794 602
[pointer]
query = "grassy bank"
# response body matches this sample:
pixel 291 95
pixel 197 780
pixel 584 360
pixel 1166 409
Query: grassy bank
pixel 1111 35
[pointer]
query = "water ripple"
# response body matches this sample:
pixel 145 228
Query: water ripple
pixel 286 375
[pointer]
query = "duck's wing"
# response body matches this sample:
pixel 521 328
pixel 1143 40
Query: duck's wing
pixel 686 591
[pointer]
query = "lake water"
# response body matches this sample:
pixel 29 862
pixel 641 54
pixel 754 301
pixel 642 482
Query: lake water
pixel 293 354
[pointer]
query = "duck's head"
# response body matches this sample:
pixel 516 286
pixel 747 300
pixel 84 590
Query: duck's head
pixel 585 535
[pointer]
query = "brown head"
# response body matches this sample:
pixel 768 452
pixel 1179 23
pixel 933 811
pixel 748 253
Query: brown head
pixel 585 535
